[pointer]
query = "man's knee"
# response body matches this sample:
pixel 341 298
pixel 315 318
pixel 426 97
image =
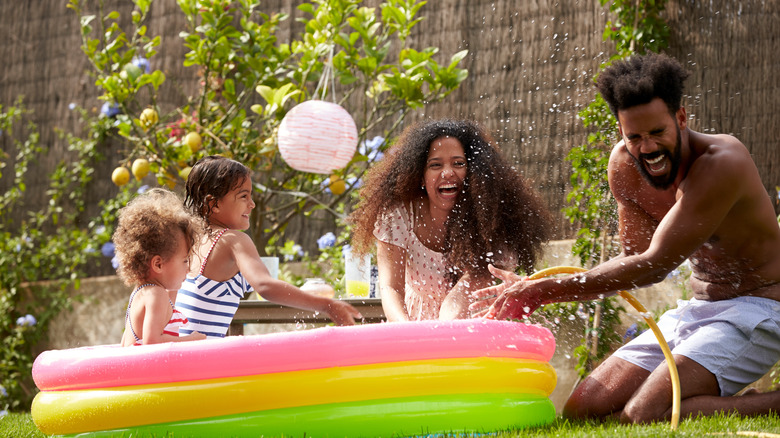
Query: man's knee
pixel 636 412
pixel 605 391
pixel 591 399
pixel 575 407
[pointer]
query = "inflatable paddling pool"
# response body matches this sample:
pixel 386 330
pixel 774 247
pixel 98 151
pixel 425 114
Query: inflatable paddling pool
pixel 399 379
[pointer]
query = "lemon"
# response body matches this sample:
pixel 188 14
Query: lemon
pixel 140 168
pixel 337 185
pixel 120 176
pixel 167 179
pixel 185 173
pixel 148 118
pixel 193 140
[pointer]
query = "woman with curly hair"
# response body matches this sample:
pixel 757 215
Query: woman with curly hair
pixel 441 206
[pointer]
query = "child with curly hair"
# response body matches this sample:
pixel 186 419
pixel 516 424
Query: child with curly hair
pixel 153 241
pixel 227 264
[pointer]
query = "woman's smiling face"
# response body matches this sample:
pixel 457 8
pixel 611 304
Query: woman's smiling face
pixel 445 172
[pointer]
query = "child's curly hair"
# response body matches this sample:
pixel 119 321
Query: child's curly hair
pixel 147 227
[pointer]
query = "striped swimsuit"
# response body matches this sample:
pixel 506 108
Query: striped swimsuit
pixel 172 328
pixel 210 305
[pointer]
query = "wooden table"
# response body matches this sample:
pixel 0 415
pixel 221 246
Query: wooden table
pixel 266 312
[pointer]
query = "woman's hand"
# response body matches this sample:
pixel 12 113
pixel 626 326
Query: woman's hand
pixel 514 298
pixel 457 303
pixel 485 297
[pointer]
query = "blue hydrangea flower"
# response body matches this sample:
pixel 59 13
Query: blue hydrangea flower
pixel 100 229
pixel 354 182
pixel 326 184
pixel 109 109
pixel 371 148
pixel 26 239
pixel 326 240
pixel 3 413
pixel 26 321
pixel 115 262
pixel 631 332
pixel 142 63
pixel 108 249
pixel 297 250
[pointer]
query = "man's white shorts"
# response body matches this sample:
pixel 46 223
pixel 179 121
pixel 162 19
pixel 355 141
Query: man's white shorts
pixel 737 340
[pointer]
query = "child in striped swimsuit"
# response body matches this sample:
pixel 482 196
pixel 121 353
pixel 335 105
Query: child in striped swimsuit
pixel 153 241
pixel 227 264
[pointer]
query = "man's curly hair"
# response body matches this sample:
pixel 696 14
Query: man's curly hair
pixel 147 227
pixel 497 214
pixel 640 79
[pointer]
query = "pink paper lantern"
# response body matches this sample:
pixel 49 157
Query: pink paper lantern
pixel 317 136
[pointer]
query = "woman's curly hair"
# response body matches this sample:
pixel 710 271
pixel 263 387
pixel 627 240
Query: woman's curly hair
pixel 497 214
pixel 147 227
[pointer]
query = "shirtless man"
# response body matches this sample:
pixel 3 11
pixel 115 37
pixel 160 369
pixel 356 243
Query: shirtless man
pixel 681 195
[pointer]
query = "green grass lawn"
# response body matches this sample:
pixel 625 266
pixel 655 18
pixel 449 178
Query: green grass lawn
pixel 22 426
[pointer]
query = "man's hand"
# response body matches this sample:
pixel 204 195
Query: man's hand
pixel 514 299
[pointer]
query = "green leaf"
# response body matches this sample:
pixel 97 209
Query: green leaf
pixel 86 19
pixel 266 92
pixel 229 86
pixel 307 8
pixel 456 58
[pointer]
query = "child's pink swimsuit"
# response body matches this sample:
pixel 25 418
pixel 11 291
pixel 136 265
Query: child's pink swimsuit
pixel 172 328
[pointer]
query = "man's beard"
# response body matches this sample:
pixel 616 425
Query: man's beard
pixel 661 182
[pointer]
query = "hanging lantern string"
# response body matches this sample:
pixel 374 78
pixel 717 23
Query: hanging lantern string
pixel 327 75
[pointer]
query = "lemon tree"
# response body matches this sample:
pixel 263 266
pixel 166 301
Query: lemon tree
pixel 357 56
